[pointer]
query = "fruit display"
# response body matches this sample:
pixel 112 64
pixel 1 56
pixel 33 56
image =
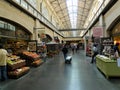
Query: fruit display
pixel 37 62
pixel 15 62
pixel 104 58
pixel 16 66
pixel 31 54
pixel 18 72
pixel 29 57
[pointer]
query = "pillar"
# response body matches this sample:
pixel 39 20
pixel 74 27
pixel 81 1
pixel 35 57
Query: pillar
pixel 102 24
pixel 36 27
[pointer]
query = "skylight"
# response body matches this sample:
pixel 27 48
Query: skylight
pixel 72 6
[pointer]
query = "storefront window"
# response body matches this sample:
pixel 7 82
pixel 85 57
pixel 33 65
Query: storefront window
pixel 11 27
pixel 39 16
pixel 5 26
pixel 45 12
pixel 24 4
pixel 18 1
pixel 35 13
pixel 106 2
pixel 53 21
pixel 1 24
pixel 33 3
pixel 31 9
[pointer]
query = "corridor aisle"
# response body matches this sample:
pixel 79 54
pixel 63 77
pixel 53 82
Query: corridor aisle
pixel 56 75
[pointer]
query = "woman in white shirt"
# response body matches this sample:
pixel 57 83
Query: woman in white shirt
pixel 3 63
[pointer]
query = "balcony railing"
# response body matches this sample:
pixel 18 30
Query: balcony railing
pixel 32 10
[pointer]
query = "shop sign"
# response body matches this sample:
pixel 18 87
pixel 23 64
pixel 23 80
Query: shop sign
pixel 32 45
pixel 97 31
pixel 41 34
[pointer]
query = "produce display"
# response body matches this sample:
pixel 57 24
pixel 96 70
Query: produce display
pixel 18 72
pixel 16 66
pixel 37 62
pixel 104 58
pixel 15 62
pixel 107 66
pixel 31 54
pixel 32 58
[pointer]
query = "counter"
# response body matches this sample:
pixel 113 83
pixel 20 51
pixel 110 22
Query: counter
pixel 107 66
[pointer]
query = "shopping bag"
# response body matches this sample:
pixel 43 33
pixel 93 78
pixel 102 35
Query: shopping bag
pixel 116 55
pixel 118 62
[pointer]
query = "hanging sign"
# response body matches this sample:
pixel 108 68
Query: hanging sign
pixel 41 34
pixel 97 31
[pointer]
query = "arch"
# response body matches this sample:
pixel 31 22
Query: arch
pixel 114 23
pixel 16 24
pixel 48 37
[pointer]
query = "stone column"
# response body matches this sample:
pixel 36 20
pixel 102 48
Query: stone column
pixel 102 24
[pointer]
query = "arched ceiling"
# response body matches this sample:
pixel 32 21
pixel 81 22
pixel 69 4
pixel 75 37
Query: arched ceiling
pixel 79 9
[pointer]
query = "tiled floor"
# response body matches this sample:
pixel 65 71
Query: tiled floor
pixel 56 75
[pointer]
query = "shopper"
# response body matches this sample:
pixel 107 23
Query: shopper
pixel 116 50
pixel 73 48
pixel 65 51
pixel 115 47
pixel 95 52
pixel 3 63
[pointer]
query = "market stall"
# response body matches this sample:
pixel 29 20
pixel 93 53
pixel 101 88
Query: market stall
pixel 16 67
pixel 107 66
pixel 53 49
pixel 31 58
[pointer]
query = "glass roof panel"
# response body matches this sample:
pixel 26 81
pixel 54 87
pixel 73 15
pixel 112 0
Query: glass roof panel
pixel 72 6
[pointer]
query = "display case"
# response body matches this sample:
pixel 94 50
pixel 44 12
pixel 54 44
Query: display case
pixel 16 66
pixel 107 66
pixel 107 47
pixel 31 58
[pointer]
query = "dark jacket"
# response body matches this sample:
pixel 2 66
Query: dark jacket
pixel 65 50
pixel 116 49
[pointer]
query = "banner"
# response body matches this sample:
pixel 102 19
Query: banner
pixel 97 31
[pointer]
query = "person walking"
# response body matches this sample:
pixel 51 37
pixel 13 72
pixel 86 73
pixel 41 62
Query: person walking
pixel 116 50
pixel 115 47
pixel 65 51
pixel 95 52
pixel 3 63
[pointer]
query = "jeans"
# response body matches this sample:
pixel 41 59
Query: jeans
pixel 3 73
pixel 65 55
pixel 93 57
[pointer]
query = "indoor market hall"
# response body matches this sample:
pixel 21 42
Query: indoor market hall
pixel 54 74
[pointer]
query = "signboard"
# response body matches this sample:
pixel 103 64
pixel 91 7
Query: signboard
pixel 97 31
pixel 41 34
pixel 32 45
